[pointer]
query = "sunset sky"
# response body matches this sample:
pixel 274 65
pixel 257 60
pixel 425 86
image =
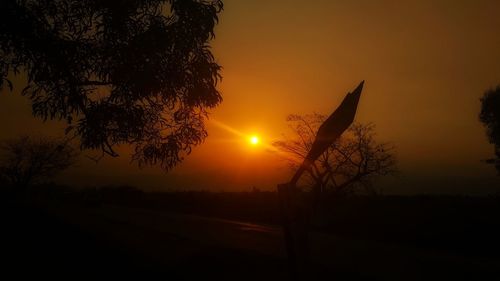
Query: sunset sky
pixel 426 63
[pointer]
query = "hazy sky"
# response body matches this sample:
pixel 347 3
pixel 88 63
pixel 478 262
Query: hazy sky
pixel 426 64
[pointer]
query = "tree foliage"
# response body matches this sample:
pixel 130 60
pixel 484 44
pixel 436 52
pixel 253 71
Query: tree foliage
pixel 27 160
pixel 490 117
pixel 136 72
pixel 353 161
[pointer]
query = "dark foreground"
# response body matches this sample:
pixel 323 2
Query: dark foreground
pixel 60 240
pixel 81 243
pixel 114 242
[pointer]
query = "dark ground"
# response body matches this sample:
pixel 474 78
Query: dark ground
pixel 462 225
pixel 37 243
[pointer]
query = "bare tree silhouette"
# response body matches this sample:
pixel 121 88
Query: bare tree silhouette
pixel 119 72
pixel 27 160
pixel 490 117
pixel 353 161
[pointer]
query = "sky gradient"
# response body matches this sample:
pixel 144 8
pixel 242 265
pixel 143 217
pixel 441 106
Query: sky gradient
pixel 426 64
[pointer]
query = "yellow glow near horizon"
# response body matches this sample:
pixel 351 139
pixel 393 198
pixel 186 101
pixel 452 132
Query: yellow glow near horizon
pixel 254 140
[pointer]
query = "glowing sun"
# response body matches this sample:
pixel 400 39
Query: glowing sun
pixel 254 140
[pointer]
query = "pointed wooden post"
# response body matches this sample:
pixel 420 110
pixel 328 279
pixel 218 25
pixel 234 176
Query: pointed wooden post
pixel 293 203
pixel 295 216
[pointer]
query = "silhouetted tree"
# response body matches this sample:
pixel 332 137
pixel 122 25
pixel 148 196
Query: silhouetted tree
pixel 490 117
pixel 136 72
pixel 354 160
pixel 27 160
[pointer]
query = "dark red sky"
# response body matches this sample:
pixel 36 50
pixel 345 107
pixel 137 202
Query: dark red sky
pixel 426 63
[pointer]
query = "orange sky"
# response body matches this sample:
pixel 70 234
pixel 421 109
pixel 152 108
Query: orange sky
pixel 426 63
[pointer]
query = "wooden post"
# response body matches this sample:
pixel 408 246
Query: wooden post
pixel 295 220
pixel 294 209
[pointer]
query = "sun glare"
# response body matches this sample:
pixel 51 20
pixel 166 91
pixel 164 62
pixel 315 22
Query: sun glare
pixel 254 140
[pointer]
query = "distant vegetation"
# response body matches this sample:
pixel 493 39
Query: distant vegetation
pixel 490 117
pixel 29 160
